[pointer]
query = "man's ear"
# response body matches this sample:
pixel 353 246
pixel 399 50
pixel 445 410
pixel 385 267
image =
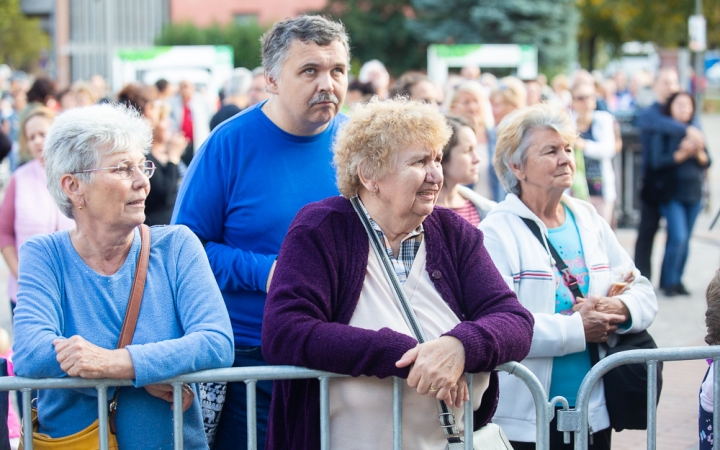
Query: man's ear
pixel 271 83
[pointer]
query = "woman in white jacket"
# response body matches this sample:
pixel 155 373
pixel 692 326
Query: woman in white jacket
pixel 597 142
pixel 534 160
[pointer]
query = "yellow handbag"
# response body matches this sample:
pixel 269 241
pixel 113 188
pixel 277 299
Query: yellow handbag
pixel 89 438
pixel 86 439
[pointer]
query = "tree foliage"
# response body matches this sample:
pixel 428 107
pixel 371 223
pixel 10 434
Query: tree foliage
pixel 663 22
pixel 551 25
pixel 22 39
pixel 378 30
pixel 243 38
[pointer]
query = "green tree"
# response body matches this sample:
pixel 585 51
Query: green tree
pixel 22 39
pixel 378 30
pixel 663 22
pixel 244 39
pixel 551 25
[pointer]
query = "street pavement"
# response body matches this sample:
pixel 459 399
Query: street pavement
pixel 679 323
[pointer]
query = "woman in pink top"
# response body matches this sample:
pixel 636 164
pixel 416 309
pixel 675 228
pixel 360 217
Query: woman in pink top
pixel 28 208
pixel 460 165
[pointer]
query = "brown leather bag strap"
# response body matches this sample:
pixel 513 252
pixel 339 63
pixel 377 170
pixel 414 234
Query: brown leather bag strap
pixel 136 293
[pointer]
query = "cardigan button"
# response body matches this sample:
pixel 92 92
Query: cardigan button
pixel 436 275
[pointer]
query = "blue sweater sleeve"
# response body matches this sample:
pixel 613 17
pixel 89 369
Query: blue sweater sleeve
pixel 208 339
pixel 201 205
pixel 663 147
pixel 653 120
pixel 39 317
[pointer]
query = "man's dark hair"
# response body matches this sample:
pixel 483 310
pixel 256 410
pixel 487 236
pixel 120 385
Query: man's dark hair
pixel 161 85
pixel 42 90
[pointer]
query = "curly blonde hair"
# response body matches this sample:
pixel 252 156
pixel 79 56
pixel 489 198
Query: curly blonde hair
pixel 377 131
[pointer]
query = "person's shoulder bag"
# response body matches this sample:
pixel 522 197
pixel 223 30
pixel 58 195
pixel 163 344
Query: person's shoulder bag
pixel 626 385
pixel 89 438
pixel 489 437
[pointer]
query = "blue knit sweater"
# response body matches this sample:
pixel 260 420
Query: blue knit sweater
pixel 242 190
pixel 182 327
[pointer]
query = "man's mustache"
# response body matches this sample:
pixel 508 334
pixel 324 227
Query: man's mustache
pixel 323 97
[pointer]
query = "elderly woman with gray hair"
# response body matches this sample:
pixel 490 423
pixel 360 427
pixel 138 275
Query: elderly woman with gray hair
pixel 75 286
pixel 536 233
pixel 348 264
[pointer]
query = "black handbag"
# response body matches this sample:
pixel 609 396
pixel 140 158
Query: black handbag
pixel 626 385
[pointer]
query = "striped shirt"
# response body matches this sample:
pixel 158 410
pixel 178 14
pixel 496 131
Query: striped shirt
pixel 469 212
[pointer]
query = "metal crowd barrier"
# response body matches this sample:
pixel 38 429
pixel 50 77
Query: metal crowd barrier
pixel 576 420
pixel 250 376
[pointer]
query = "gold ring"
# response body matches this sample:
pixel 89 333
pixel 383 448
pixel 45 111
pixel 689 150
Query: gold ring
pixel 432 389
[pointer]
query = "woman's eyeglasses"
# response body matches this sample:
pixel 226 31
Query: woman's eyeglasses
pixel 126 169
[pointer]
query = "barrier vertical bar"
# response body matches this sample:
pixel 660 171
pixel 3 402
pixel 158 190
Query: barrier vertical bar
pixel 178 415
pixel 324 413
pixel 27 414
pixel 716 400
pixel 397 413
pixel 651 404
pixel 251 414
pixel 103 415
pixel 468 416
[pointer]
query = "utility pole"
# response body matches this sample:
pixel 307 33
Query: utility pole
pixel 697 29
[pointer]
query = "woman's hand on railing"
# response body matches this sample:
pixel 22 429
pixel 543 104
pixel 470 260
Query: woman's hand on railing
pixel 165 392
pixel 80 358
pixel 437 368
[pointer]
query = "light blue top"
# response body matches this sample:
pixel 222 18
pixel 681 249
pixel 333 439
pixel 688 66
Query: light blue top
pixel 568 371
pixel 182 327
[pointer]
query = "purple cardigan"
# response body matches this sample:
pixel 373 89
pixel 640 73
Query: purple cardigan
pixel 315 289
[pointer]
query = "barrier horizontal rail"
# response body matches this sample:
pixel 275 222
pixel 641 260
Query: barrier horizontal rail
pixel 250 376
pixel 579 416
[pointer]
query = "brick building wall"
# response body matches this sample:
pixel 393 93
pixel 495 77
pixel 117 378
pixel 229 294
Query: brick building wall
pixel 206 12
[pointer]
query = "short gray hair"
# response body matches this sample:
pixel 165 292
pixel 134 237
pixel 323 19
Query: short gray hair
pixel 513 138
pixel 80 137
pixel 317 29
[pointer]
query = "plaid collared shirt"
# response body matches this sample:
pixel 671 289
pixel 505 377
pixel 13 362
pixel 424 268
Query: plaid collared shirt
pixel 409 247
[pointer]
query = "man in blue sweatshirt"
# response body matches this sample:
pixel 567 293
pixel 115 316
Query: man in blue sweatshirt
pixel 652 121
pixel 251 177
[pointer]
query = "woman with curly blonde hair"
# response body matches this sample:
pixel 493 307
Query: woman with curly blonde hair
pixel 331 307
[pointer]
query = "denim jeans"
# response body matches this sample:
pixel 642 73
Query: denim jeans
pixel 680 219
pixel 232 429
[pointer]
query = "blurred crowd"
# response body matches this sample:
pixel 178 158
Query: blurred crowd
pixel 182 115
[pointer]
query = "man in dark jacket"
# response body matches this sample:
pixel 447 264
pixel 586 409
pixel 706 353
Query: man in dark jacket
pixel 650 121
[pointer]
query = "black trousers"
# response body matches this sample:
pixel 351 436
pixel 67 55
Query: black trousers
pixel 648 227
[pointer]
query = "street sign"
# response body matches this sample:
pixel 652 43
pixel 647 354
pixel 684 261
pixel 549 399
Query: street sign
pixel 523 58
